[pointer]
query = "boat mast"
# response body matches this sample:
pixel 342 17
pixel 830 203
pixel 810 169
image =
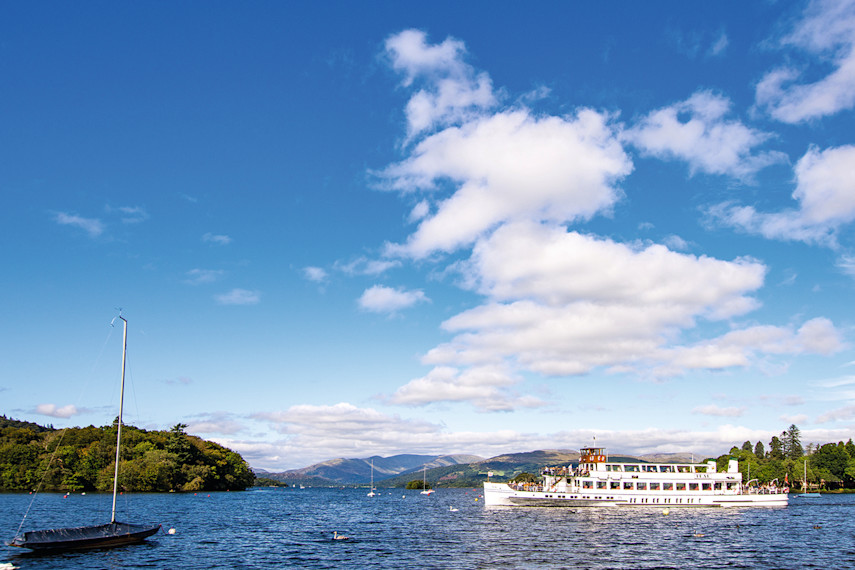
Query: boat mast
pixel 121 405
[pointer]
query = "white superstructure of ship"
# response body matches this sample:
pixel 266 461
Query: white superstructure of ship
pixel 598 482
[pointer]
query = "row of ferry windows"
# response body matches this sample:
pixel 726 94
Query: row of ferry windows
pixel 640 468
pixel 655 486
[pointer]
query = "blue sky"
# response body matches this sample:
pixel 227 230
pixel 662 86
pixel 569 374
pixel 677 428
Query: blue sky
pixel 348 229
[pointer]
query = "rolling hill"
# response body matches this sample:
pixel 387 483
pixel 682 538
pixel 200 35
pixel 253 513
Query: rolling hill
pixel 442 470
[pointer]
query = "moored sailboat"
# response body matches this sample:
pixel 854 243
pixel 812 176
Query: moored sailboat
pixel 107 535
pixel 425 490
pixel 807 494
pixel 371 493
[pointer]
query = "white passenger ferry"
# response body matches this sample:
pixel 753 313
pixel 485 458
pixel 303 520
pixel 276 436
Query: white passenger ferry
pixel 597 482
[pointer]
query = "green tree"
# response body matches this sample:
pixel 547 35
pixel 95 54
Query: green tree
pixel 524 478
pixel 776 448
pixel 831 457
pixel 792 444
pixel 746 446
pixel 759 452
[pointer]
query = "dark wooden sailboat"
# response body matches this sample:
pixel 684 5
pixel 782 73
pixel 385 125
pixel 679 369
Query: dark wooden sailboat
pixel 98 536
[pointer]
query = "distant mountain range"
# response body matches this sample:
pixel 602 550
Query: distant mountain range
pixel 441 470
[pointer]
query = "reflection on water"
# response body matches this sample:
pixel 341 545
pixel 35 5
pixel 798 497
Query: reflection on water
pixel 274 528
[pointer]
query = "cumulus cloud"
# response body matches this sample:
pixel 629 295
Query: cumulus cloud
pixel 562 303
pixel 92 226
pixel 316 274
pixel 825 194
pixel 382 299
pixel 826 32
pixel 483 386
pixel 55 411
pixel 697 131
pixel 504 183
pixel 505 167
pixel 239 297
pixel 452 90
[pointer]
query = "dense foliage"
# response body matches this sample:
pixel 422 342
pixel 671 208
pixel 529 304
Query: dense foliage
pixel 828 466
pixel 268 482
pixel 83 459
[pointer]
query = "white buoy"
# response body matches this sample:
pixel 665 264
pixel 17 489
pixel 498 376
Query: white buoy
pixel 665 511
pixel 171 531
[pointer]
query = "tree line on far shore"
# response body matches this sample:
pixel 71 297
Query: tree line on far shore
pixel 33 457
pixel 828 466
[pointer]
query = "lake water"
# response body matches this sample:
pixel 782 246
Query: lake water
pixel 279 528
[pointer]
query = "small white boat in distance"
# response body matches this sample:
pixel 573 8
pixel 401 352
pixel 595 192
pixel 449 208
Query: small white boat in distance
pixel 597 482
pixel 371 493
pixel 425 490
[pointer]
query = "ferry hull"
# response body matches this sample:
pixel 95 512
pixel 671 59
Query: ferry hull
pixel 500 494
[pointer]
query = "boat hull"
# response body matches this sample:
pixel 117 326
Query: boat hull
pixel 86 537
pixel 500 494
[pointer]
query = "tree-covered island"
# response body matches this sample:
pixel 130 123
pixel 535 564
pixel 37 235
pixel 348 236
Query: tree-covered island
pixel 83 459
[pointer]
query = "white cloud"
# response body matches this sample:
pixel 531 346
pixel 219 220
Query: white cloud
pixel 131 214
pixel 311 434
pixel 93 226
pixel 316 274
pixel 54 411
pixel 510 166
pixel 483 386
pixel 419 211
pixel 318 433
pixel 216 239
pixel 794 419
pixel 365 266
pixel 697 131
pixel 452 90
pixel 382 299
pixel 840 414
pixel 826 31
pixel 825 192
pixel 556 302
pixel 202 276
pixel 221 423
pixel 239 297
pixel 719 46
pixel 713 410
pixel 562 303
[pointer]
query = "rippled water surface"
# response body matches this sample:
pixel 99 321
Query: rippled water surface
pixel 276 528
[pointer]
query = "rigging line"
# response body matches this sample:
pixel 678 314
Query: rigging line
pixel 63 431
pixel 41 482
